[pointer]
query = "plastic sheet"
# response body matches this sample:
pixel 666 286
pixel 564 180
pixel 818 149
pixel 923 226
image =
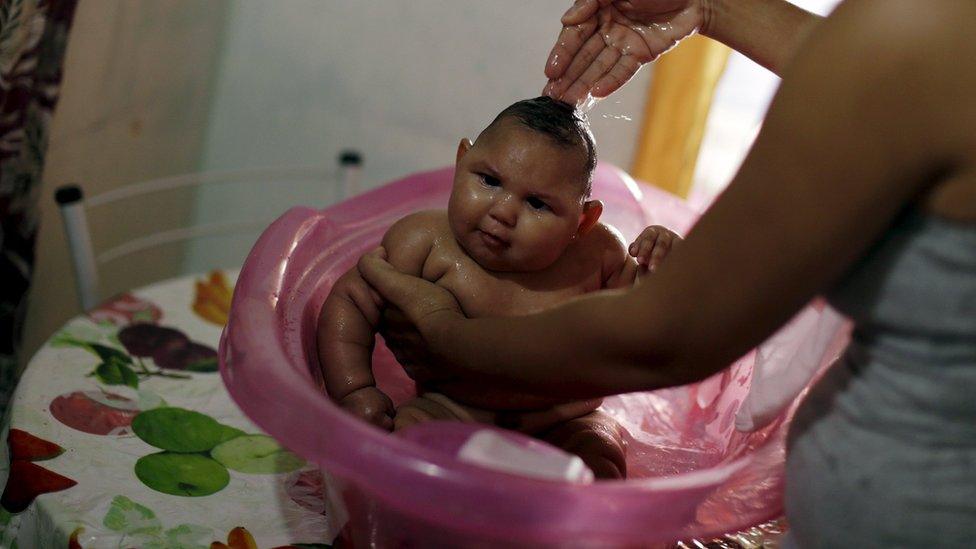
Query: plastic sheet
pixel 691 473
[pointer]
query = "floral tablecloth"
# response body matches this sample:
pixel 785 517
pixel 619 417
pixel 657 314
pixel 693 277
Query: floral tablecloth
pixel 121 434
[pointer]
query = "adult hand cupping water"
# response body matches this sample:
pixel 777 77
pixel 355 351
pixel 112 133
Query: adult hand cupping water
pixel 604 42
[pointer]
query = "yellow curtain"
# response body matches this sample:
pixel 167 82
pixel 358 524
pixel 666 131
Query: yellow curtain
pixel 681 91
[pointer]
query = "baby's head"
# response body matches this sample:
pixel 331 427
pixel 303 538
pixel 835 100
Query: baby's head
pixel 521 190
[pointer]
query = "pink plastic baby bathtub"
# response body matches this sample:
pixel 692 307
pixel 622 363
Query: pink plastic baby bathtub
pixel 691 473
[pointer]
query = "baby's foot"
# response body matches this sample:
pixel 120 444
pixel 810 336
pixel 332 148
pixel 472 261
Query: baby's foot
pixel 597 439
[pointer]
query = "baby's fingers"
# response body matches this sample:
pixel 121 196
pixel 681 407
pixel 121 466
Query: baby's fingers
pixel 661 248
pixel 642 247
pixel 645 254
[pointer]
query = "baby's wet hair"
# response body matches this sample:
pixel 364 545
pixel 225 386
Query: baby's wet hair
pixel 561 122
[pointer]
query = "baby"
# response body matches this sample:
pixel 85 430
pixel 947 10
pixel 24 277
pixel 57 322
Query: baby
pixel 519 235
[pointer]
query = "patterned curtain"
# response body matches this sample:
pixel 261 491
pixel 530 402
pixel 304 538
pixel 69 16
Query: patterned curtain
pixel 33 36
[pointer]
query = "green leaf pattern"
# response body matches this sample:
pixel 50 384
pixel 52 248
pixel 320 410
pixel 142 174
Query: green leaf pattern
pixel 128 517
pixel 189 437
pixel 145 530
pixel 117 367
pixel 116 372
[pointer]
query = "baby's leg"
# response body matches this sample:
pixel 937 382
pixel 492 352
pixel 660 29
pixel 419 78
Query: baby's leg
pixel 430 407
pixel 597 439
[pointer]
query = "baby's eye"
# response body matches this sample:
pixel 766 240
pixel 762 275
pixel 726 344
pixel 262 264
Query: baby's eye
pixel 489 180
pixel 537 203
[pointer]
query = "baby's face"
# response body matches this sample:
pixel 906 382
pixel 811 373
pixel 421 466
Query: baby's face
pixel 517 198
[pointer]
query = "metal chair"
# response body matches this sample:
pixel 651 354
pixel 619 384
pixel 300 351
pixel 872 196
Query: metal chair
pixel 320 187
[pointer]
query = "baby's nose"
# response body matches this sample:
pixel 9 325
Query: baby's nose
pixel 505 210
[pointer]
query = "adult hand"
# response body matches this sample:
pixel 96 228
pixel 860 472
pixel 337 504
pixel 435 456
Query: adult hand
pixel 604 42
pixel 418 310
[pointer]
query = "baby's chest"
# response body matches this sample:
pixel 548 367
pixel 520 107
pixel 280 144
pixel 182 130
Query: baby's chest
pixel 481 293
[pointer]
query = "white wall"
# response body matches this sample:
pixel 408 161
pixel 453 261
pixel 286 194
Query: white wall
pixel 400 81
pixel 735 116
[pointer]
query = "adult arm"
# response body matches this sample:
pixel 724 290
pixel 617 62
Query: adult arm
pixel 767 31
pixel 854 135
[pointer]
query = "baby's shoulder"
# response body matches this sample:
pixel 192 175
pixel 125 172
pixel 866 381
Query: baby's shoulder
pixel 409 241
pixel 417 228
pixel 604 238
pixel 617 268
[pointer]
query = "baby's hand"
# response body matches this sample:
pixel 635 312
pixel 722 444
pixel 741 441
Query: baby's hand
pixel 652 246
pixel 372 405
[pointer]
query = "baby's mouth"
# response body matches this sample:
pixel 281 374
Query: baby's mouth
pixel 492 240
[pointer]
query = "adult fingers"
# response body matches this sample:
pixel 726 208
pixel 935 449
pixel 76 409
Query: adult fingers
pixel 415 369
pixel 404 345
pixel 600 65
pixel 568 43
pixel 402 337
pixel 621 73
pixel 659 11
pixel 580 11
pixel 394 286
pixel 581 60
pixel 394 320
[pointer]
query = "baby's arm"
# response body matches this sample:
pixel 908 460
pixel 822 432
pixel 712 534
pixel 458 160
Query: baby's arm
pixel 623 266
pixel 348 321
pixel 345 337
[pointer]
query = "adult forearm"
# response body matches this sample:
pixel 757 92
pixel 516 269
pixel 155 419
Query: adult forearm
pixel 766 31
pixel 587 348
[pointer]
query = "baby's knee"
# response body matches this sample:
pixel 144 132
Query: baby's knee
pixel 407 415
pixel 597 439
pixel 429 407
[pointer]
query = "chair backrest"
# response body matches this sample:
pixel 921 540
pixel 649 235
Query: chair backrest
pixel 150 222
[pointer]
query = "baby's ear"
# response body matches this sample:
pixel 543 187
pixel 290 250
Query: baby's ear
pixel 592 209
pixel 463 147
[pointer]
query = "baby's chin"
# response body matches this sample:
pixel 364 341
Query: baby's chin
pixel 487 260
pixel 503 264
